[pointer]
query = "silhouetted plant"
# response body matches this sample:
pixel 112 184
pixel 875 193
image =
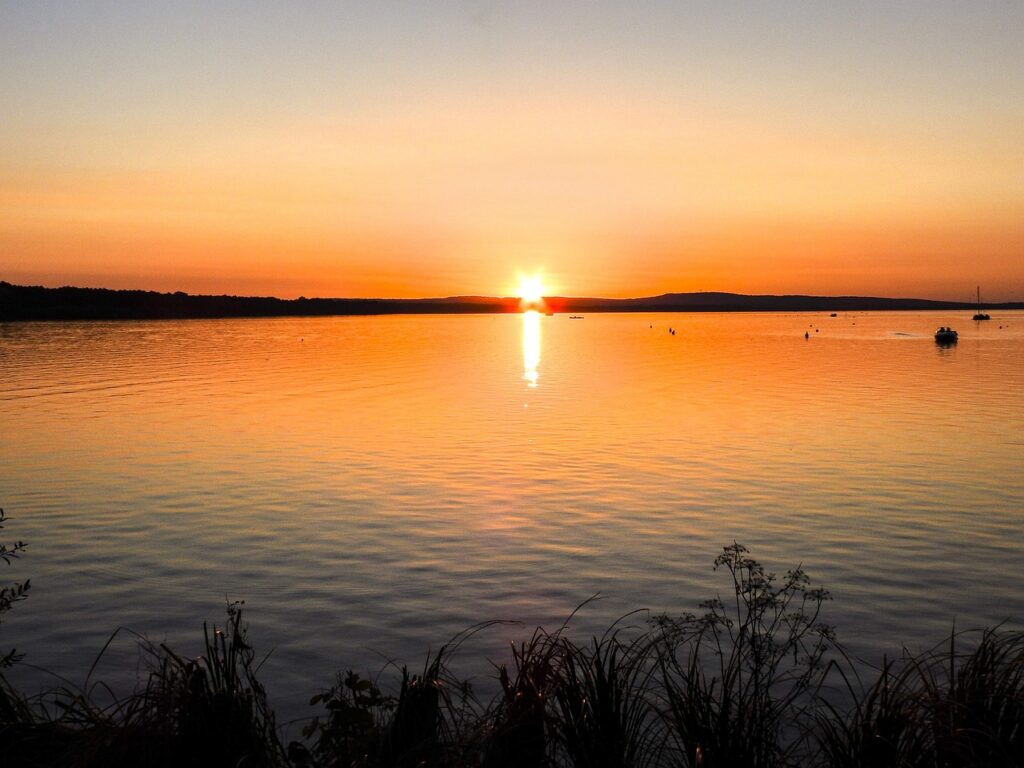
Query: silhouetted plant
pixel 974 708
pixel 14 710
pixel 739 679
pixel 351 731
pixel 606 718
pixel 742 684
pixel 935 709
pixel 437 718
pixel 10 593
pixel 882 728
pixel 415 733
pixel 216 702
pixel 210 710
pixel 520 722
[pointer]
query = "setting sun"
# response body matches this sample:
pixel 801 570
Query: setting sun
pixel 531 289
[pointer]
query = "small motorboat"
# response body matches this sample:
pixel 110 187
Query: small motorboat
pixel 576 317
pixel 945 336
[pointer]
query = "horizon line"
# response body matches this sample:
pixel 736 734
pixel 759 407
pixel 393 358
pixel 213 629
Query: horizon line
pixel 497 297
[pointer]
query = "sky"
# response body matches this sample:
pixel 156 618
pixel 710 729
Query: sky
pixel 445 148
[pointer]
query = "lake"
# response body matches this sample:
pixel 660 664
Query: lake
pixel 372 485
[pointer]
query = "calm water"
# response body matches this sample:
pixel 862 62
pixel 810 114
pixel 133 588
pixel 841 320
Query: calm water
pixel 369 486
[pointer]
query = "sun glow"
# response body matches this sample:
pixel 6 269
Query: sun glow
pixel 531 289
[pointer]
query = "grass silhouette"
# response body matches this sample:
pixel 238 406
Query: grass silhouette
pixel 755 680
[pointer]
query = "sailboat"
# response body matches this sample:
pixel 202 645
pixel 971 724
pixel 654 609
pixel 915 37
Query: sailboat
pixel 979 315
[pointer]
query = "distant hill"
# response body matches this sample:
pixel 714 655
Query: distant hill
pixel 19 302
pixel 713 301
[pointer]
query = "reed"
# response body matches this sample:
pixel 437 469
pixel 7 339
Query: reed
pixel 879 726
pixel 210 710
pixel 520 723
pixel 942 707
pixel 607 717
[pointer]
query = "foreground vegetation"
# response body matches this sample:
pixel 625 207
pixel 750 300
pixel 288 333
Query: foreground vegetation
pixel 755 679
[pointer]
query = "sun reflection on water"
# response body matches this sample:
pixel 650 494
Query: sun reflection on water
pixel 531 347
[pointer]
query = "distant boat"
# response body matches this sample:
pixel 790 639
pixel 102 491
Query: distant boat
pixel 576 317
pixel 549 314
pixel 979 315
pixel 833 315
pixel 945 336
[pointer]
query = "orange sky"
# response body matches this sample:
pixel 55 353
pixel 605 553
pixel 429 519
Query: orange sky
pixel 854 158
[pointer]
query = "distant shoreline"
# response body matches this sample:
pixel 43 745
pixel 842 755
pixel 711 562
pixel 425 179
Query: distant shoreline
pixel 31 303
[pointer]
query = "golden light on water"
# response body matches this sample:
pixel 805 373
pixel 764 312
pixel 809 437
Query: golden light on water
pixel 531 347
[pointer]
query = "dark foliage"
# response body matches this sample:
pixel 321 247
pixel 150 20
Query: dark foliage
pixel 754 680
pixel 740 678
pixel 10 594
